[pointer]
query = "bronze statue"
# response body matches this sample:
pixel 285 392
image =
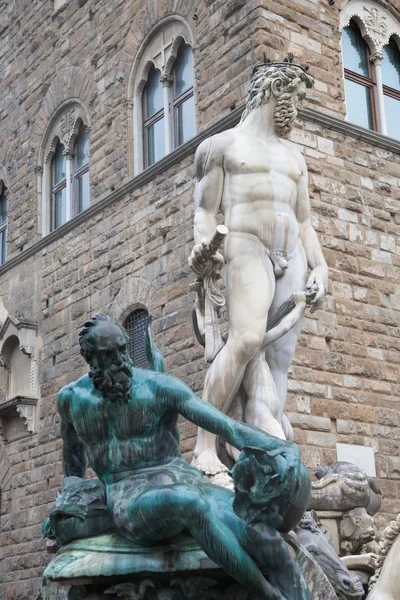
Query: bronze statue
pixel 124 419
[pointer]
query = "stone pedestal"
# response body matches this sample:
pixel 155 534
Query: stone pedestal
pixel 108 567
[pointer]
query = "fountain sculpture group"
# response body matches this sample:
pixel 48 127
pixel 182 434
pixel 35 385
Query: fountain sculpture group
pixel 151 526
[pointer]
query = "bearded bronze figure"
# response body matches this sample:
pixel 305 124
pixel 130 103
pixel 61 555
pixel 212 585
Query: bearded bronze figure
pixel 124 421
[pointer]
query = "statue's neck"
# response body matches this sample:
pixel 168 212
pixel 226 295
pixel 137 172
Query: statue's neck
pixel 260 122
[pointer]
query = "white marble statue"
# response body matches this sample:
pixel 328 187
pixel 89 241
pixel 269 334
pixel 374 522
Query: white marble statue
pixel 259 183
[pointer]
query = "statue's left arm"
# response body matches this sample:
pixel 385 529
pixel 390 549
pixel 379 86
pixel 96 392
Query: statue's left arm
pixel 203 414
pixel 318 280
pixel 73 453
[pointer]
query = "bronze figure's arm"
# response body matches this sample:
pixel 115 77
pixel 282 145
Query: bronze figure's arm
pixel 74 457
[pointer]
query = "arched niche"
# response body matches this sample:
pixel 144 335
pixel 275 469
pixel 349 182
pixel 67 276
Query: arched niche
pixel 18 379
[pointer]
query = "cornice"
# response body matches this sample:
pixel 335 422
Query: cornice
pixel 230 120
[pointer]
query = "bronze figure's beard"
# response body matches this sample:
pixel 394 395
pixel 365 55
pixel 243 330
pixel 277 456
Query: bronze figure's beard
pixel 284 115
pixel 115 381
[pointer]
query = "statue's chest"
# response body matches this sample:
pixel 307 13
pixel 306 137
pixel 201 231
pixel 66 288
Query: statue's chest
pixel 96 419
pixel 255 156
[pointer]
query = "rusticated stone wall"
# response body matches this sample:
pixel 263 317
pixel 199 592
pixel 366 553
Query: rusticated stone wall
pixel 344 382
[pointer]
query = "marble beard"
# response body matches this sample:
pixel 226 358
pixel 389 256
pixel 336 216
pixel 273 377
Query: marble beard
pixel 259 183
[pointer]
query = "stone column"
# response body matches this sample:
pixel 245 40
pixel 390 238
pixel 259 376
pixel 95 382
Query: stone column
pixel 376 60
pixel 166 81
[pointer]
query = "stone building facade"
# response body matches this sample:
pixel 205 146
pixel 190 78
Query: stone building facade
pixel 129 249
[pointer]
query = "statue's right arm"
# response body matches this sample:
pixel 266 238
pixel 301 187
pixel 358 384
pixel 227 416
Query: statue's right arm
pixel 180 398
pixel 73 453
pixel 208 190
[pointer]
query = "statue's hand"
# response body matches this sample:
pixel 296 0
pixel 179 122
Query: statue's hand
pixel 318 283
pixel 287 459
pixel 204 262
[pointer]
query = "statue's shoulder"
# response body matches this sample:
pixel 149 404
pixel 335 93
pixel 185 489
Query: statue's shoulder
pixel 294 149
pixel 213 149
pixel 70 391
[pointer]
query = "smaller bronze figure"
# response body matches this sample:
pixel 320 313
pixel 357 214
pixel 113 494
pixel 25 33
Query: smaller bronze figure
pixel 124 420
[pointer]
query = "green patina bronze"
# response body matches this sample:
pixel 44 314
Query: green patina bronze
pixel 124 420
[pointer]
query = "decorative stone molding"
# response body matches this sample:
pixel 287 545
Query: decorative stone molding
pixel 65 129
pixel 17 335
pixel 23 330
pixel 377 25
pixel 22 407
pixel 136 292
pixel 71 86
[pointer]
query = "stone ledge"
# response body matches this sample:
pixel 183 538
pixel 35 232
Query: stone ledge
pixel 349 129
pixel 229 120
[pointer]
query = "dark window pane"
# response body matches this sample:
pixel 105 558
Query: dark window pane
pixel 83 191
pixel 60 207
pixel 391 65
pixel 358 104
pixel 81 149
pixel 3 206
pixel 186 120
pixel 355 51
pixel 155 142
pixel 183 70
pixel 392 110
pixel 154 98
pixel 59 164
pixel 3 236
pixel 136 325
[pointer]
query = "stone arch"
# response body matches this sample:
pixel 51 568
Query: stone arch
pixel 69 85
pixel 168 33
pixel 136 292
pixel 376 23
pixel 64 108
pixel 151 17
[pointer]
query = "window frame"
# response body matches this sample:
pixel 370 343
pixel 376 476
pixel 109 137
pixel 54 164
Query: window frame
pixel 63 127
pixel 177 101
pixel 130 332
pixel 149 121
pixel 158 50
pixel 368 82
pixel 168 112
pixel 55 188
pixel 378 28
pixel 77 174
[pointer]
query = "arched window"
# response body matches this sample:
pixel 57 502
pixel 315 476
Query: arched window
pixel 81 188
pixel 59 187
pixel 168 107
pixel 358 78
pixel 70 179
pixel 183 98
pixel 391 87
pixel 65 155
pixel 3 223
pixel 153 118
pixel 136 325
pixel 161 88
pixel 371 58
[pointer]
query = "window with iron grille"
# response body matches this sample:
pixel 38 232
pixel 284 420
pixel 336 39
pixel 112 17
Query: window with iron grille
pixel 136 325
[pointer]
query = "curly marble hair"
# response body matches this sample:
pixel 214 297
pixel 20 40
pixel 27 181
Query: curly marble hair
pixel 278 80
